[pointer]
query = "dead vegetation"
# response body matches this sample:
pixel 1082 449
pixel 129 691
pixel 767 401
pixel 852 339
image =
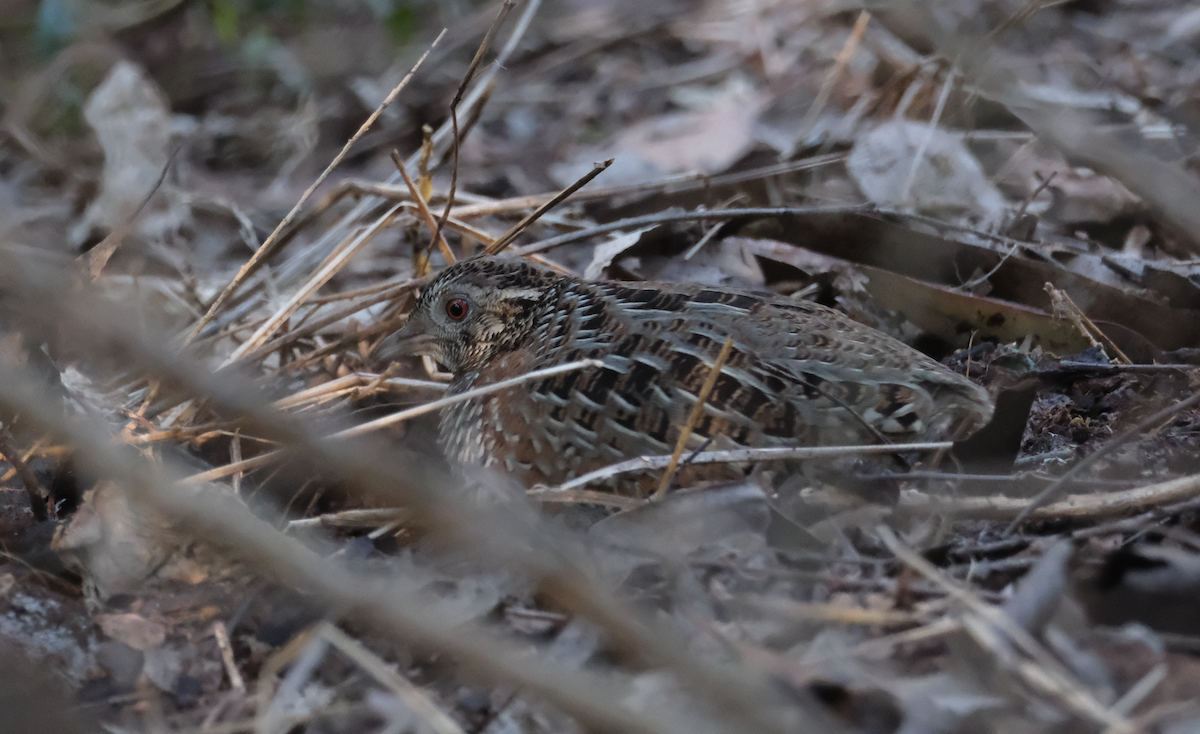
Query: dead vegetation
pixel 219 515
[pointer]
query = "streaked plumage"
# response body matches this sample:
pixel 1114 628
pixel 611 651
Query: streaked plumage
pixel 800 374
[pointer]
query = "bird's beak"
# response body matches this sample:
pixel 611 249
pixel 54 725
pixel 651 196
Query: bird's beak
pixel 407 342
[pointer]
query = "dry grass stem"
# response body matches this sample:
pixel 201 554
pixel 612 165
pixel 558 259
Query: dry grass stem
pixel 298 333
pixel 404 383
pixel 387 286
pixel 1080 507
pixel 456 141
pixel 739 456
pixel 507 238
pixel 434 231
pixel 368 518
pixel 94 260
pixel 885 644
pixel 389 420
pixel 320 278
pixel 358 384
pixel 404 415
pixel 267 249
pixel 1024 13
pixel 289 722
pixel 483 207
pixel 674 184
pixel 39 450
pixel 584 497
pixel 712 232
pixel 380 191
pixel 1140 690
pixel 33 490
pixel 706 215
pixel 839 63
pixel 1063 304
pixel 231 671
pixel 710 381
pixel 825 612
pixel 321 393
pixel 930 130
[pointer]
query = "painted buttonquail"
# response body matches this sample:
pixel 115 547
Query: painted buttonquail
pixel 799 374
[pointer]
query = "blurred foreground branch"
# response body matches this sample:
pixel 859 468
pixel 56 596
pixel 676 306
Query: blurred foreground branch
pixel 509 533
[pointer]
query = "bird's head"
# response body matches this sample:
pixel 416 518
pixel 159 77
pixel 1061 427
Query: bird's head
pixel 473 312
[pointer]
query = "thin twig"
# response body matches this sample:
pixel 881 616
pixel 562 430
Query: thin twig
pixel 713 231
pixel 1024 13
pixel 1114 369
pixel 677 184
pixel 694 417
pixel 1162 495
pixel 235 677
pixel 506 239
pixel 947 476
pixel 827 84
pixel 386 191
pixel 707 215
pixel 394 418
pixel 96 258
pixel 1140 690
pixel 973 282
pixel 484 45
pixel 427 215
pixel 930 130
pixel 787 608
pixel 349 383
pixel 36 450
pixel 417 701
pixel 881 645
pixel 1012 248
pixel 358 518
pixel 483 207
pixel 585 497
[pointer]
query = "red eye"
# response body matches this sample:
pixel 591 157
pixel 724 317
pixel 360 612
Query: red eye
pixel 456 308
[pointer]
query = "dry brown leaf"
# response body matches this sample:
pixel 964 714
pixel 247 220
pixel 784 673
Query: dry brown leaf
pixel 132 629
pixel 947 177
pixel 132 120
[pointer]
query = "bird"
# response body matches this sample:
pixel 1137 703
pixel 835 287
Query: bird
pixel 798 373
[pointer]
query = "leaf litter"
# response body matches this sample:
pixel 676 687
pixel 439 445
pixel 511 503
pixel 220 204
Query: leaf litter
pixel 1008 188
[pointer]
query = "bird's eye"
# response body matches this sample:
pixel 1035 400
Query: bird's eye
pixel 456 308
